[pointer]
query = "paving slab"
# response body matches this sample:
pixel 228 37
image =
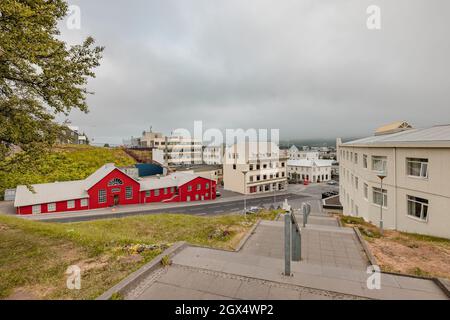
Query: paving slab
pixel 333 266
pixel 224 286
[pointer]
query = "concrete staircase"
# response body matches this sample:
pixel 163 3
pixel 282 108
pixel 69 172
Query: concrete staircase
pixel 333 266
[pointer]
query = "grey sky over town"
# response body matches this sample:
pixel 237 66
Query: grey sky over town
pixel 309 68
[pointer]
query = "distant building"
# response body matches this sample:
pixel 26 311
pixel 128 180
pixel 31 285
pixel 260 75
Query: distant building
pixel 173 150
pixel 415 196
pixel 213 154
pixel 213 172
pixel 295 154
pixel 309 170
pixel 72 135
pixel 254 167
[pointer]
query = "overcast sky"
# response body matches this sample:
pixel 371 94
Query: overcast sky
pixel 310 68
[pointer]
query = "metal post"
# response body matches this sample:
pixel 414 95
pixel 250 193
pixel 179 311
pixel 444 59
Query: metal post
pixel 287 244
pixel 245 204
pixel 305 217
pixel 274 197
pixel 296 240
pixel 245 191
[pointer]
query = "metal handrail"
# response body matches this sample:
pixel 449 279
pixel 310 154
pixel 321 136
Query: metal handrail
pixel 293 237
pixel 306 209
pixel 292 241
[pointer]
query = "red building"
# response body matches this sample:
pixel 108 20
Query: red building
pixel 108 187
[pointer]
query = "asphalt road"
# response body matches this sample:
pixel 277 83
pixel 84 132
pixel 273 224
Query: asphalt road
pixel 207 209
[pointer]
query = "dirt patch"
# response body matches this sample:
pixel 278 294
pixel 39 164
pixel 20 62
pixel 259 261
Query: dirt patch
pixel 98 263
pixel 34 292
pixel 130 259
pixel 396 252
pixel 405 253
pixel 23 294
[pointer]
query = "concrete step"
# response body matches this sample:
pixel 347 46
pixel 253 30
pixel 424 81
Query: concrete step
pixel 341 280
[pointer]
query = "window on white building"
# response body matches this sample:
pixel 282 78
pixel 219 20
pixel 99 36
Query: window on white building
pixel 379 163
pixel 70 204
pixel 51 207
pixel 380 197
pixel 366 191
pixel 129 192
pixel 356 183
pixel 84 202
pixel 36 209
pixel 418 208
pixel 102 196
pixel 417 167
pixel 365 165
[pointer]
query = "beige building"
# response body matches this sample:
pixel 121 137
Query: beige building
pixel 415 196
pixel 213 172
pixel 309 170
pixel 254 167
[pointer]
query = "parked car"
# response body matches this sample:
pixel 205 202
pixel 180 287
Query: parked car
pixel 252 210
pixel 332 183
pixel 329 194
pixel 218 194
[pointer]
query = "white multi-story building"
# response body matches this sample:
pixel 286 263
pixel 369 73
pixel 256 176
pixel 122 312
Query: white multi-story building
pixel 255 167
pixel 295 154
pixel 309 170
pixel 213 154
pixel 173 150
pixel 415 195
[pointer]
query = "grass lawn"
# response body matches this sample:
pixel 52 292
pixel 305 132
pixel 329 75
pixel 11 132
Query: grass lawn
pixel 406 253
pixel 35 255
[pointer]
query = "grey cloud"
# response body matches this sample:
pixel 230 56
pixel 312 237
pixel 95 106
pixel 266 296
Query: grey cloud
pixel 309 68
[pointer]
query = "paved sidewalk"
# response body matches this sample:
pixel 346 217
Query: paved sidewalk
pixel 333 267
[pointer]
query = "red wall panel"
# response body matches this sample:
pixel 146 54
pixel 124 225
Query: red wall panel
pixel 112 191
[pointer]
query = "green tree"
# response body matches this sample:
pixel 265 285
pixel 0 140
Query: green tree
pixel 40 75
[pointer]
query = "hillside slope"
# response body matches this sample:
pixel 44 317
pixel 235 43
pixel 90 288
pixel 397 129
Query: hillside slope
pixel 64 163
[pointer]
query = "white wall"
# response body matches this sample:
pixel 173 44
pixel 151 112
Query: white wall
pixel 435 189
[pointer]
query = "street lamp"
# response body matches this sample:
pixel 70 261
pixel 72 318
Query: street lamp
pixel 381 176
pixel 245 190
